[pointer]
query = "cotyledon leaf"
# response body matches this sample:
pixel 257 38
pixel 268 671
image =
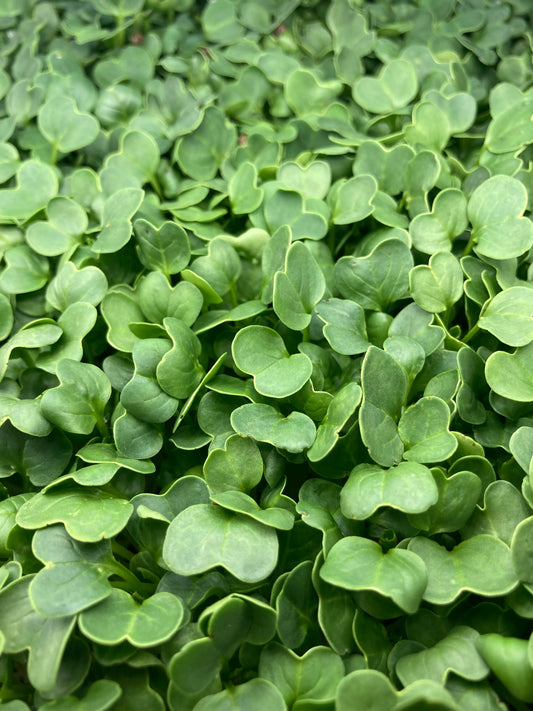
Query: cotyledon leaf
pixel 88 516
pixel 204 536
pixel 261 352
pixel 120 618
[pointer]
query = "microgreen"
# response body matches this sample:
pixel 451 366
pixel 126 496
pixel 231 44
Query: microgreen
pixel 266 355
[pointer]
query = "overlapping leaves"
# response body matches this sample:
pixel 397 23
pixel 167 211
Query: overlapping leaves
pixel 266 357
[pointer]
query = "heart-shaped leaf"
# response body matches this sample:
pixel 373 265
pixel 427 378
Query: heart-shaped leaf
pixel 456 653
pixel 356 563
pixel 295 432
pixel 509 316
pixel 315 675
pixel 394 87
pixel 119 618
pixel 261 352
pixel 384 386
pixel 104 515
pixel 511 374
pixel 66 128
pixel 165 249
pixel 438 286
pixel 377 280
pixel 244 195
pixel 77 404
pixel 179 371
pixel 451 572
pixel 345 326
pixel 409 487
pixel 246 548
pixel 435 231
pixel 495 208
pixel 423 429
pixel 298 288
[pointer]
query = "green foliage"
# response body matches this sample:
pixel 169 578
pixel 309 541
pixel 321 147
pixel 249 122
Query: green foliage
pixel 266 355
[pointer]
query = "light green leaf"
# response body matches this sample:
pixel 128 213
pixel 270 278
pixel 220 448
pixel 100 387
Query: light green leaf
pixel 356 563
pixel 423 429
pixel 261 352
pixel 204 536
pixel 66 128
pixel 298 288
pixel 509 316
pixel 384 386
pixel 481 564
pixel 295 432
pixel 103 514
pixel 120 618
pixel 496 208
pixel 436 288
pixel 409 487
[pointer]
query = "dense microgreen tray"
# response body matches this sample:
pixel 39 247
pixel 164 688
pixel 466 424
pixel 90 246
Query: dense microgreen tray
pixel 266 356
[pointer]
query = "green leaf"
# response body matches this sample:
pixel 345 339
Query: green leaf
pixel 201 152
pixel 294 433
pixel 458 495
pixel 298 288
pixel 409 487
pixel 72 285
pixel 511 374
pixel 508 659
pixel 77 404
pixel 244 696
pixel 315 675
pixel 179 371
pixel 311 181
pixel 345 326
pixel 305 93
pixel 496 207
pixel 378 280
pixel 437 287
pixel 394 87
pixel 120 618
pixel 102 694
pixel 481 564
pixel 103 515
pixel 25 270
pixel 307 218
pixel 116 227
pixel 351 200
pixel 384 386
pixel 236 467
pixel 509 316
pixel 67 222
pixel 66 128
pixel 340 409
pixel 356 563
pixel 435 231
pixel 456 653
pixel 24 628
pixel 204 536
pixel 165 249
pixel 261 352
pixel 244 195
pixel 423 429
pixel 158 299
pixel 511 129
pixel 37 184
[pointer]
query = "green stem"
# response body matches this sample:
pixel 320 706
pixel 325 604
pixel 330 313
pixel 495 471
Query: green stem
pixel 468 336
pixel 120 37
pixel 53 157
pixel 121 550
pixel 469 246
pixel 306 335
pixel 131 581
pixel 233 295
